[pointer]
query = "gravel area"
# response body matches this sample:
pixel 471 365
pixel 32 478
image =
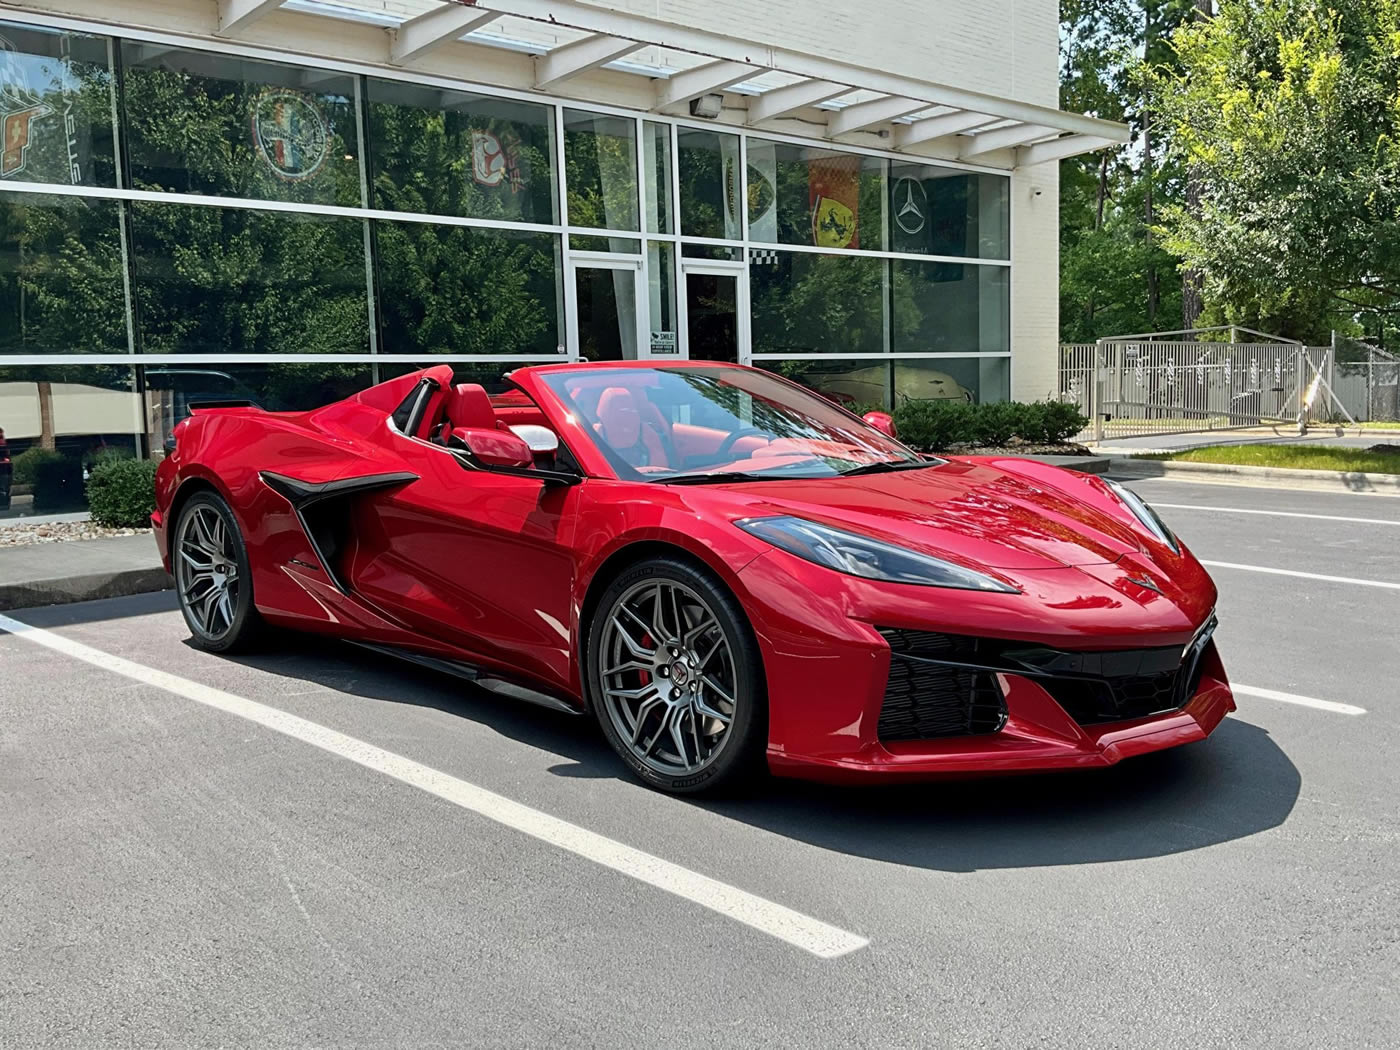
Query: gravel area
pixel 21 535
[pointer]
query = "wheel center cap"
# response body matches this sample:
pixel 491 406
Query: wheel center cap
pixel 680 673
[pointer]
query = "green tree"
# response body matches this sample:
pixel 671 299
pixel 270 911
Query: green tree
pixel 1117 276
pixel 1287 112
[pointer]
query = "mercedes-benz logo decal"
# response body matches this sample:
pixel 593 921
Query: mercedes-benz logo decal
pixel 910 205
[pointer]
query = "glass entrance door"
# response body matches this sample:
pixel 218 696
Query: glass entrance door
pixel 606 311
pixel 715 314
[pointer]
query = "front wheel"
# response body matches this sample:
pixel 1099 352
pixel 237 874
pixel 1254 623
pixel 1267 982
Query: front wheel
pixel 211 576
pixel 676 680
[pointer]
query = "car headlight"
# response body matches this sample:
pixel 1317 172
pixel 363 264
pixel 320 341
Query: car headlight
pixel 858 555
pixel 1145 514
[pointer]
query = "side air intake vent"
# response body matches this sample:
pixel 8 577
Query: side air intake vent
pixel 924 699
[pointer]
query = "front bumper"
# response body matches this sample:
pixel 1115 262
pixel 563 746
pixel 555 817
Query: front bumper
pixel 828 667
pixel 1038 736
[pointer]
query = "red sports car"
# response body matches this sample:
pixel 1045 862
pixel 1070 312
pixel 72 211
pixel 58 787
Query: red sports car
pixel 727 570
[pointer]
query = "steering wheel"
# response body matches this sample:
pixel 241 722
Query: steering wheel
pixel 727 445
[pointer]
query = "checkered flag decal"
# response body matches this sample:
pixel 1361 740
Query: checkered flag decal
pixel 763 256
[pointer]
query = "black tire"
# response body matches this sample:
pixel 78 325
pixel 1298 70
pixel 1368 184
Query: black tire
pixel 713 671
pixel 218 609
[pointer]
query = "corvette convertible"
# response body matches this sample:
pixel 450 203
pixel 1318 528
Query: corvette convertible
pixel 725 570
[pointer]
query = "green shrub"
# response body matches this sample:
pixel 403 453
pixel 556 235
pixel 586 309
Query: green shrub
pixel 933 425
pixel 122 492
pixel 996 423
pixel 936 425
pixel 1061 421
pixel 26 464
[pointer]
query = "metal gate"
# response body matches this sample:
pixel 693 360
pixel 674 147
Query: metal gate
pixel 1137 386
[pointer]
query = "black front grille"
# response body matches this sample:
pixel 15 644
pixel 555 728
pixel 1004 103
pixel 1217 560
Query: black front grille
pixel 952 677
pixel 924 699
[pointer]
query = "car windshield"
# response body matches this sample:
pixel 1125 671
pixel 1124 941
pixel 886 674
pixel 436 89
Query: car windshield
pixel 696 424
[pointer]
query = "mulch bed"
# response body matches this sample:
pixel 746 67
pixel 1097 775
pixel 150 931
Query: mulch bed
pixel 1019 449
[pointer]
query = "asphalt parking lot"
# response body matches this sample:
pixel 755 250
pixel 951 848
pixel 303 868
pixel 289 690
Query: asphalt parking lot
pixel 182 863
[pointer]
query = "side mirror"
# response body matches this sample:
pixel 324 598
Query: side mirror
pixel 881 421
pixel 542 441
pixel 493 448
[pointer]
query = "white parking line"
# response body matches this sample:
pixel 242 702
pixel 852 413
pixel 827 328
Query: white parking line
pixel 802 931
pixel 1294 698
pixel 1277 513
pixel 1305 575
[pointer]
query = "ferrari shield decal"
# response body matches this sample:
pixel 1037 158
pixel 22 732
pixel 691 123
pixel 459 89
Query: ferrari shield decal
pixel 833 224
pixel 834 188
pixel 290 133
pixel 19 108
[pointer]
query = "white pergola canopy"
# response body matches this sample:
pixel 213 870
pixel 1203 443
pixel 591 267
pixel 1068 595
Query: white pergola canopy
pixel 572 42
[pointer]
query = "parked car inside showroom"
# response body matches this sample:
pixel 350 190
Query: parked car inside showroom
pixel 727 571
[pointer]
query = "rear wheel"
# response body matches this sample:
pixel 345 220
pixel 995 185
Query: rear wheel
pixel 211 576
pixel 675 679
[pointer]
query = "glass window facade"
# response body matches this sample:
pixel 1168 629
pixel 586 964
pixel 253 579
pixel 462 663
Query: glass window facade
pixel 62 285
pixel 711 189
pixel 820 197
pixel 316 230
pixel 466 290
pixel 600 169
pixel 940 211
pixel 811 303
pixel 238 281
pixel 233 127
pixel 56 107
pixel 458 153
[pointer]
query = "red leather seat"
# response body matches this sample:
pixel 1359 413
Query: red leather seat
pixel 467 405
pixel 621 427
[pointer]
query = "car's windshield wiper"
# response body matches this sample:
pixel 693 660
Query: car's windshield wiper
pixel 885 466
pixel 721 477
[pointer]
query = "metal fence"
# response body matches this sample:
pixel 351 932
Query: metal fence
pixel 1141 386
pixel 1138 387
pixel 1365 381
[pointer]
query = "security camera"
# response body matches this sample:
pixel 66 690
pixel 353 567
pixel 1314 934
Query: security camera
pixel 1036 191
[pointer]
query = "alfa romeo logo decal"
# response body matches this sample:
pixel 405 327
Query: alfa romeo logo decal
pixel 910 205
pixel 290 133
pixel 19 108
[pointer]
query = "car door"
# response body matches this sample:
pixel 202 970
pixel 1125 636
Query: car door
pixel 480 560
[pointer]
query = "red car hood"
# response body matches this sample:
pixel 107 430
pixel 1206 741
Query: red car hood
pixel 976 512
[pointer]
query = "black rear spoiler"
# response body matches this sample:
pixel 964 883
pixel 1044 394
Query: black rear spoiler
pixel 200 406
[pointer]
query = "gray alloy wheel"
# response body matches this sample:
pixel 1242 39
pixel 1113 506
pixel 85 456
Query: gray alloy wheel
pixel 211 575
pixel 674 679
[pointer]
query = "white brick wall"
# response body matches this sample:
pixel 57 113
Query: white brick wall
pixel 1035 282
pixel 1002 47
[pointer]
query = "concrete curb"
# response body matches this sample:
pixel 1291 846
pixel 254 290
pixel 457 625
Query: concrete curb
pixel 69 589
pixel 1278 477
pixel 1083 464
